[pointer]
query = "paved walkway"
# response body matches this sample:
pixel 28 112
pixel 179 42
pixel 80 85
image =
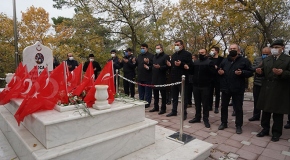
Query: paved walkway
pixel 227 143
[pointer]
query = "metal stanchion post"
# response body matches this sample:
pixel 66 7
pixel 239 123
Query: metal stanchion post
pixel 117 82
pixel 180 137
pixel 181 108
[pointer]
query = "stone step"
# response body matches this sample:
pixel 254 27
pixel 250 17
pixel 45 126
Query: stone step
pixel 109 145
pixel 53 128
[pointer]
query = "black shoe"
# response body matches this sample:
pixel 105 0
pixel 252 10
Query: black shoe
pixel 168 103
pixel 239 130
pixel 154 110
pixel 216 110
pixel 287 126
pixel 184 117
pixel 234 113
pixel 171 114
pixel 254 119
pixel 231 104
pixel 194 120
pixel 275 139
pixel 161 112
pixel 206 124
pixel 223 126
pixel 263 133
pixel 147 105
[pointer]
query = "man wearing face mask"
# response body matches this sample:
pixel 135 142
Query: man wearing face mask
pixel 215 83
pixel 96 65
pixel 116 64
pixel 203 72
pixel 144 71
pixel 180 63
pixel 275 91
pixel 159 70
pixel 71 63
pixel 233 72
pixel 128 64
pixel 258 82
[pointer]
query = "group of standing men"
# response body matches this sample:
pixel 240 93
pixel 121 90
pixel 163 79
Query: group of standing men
pixel 209 75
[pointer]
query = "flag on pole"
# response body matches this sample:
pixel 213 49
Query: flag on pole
pixel 45 98
pixel 75 79
pixel 106 77
pixel 87 81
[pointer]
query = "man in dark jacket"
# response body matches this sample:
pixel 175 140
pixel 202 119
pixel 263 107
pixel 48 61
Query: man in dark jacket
pixel 96 65
pixel 159 70
pixel 275 91
pixel 128 64
pixel 215 83
pixel 144 71
pixel 258 82
pixel 180 63
pixel 203 72
pixel 71 63
pixel 116 64
pixel 233 72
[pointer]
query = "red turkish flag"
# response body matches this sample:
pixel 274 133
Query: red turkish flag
pixel 13 85
pixel 45 98
pixel 23 109
pixel 75 79
pixel 87 82
pixel 106 77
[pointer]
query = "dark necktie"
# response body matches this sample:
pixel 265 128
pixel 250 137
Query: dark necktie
pixel 275 58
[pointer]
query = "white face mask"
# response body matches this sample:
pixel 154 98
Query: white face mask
pixel 70 58
pixel 211 53
pixel 158 51
pixel 274 51
pixel 91 59
pixel 176 48
pixel 113 55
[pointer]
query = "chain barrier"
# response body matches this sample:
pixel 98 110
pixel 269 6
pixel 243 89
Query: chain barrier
pixel 150 85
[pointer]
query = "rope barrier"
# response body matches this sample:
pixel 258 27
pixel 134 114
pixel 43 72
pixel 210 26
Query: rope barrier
pixel 150 85
pixel 3 79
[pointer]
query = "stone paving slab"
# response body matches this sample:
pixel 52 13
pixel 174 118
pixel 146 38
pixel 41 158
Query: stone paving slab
pixel 227 143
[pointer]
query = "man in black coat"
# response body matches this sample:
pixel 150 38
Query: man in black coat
pixel 180 63
pixel 159 70
pixel 203 72
pixel 275 92
pixel 96 66
pixel 128 64
pixel 215 83
pixel 144 71
pixel 116 64
pixel 233 72
pixel 71 63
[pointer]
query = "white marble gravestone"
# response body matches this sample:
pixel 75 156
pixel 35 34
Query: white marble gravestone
pixel 39 55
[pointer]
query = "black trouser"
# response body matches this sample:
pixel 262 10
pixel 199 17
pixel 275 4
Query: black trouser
pixel 277 127
pixel 237 99
pixel 214 88
pixel 175 90
pixel 129 87
pixel 168 95
pixel 156 99
pixel 201 95
pixel 288 118
pixel 189 93
pixel 256 93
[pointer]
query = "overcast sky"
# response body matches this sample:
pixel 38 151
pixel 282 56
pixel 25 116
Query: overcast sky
pixel 22 5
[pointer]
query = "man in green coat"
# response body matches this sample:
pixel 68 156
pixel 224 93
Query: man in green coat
pixel 275 92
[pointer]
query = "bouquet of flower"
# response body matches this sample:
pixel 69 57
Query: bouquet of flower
pixel 73 99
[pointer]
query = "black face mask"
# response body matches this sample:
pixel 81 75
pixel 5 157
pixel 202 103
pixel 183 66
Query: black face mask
pixel 233 53
pixel 201 57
